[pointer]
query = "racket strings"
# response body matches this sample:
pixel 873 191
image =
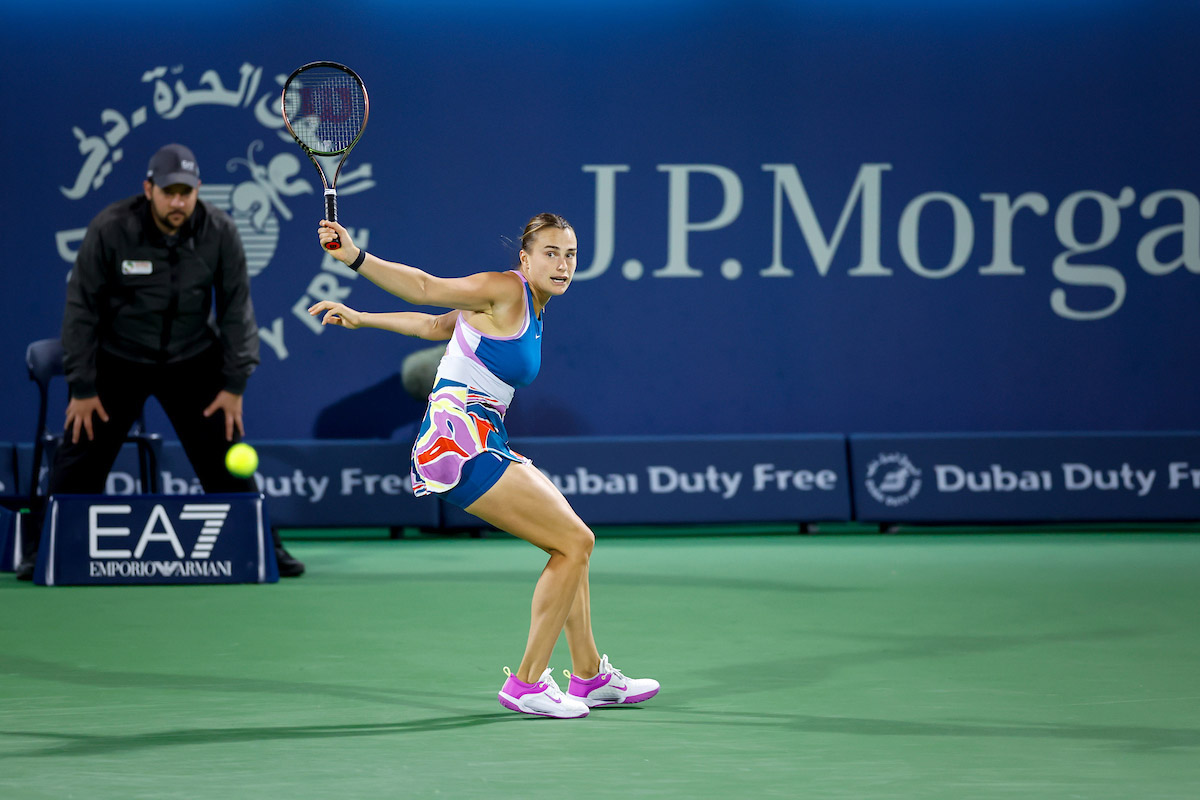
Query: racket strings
pixel 326 109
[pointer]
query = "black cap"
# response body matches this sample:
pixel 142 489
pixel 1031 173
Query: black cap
pixel 173 164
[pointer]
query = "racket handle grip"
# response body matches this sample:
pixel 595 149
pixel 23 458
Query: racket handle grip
pixel 331 215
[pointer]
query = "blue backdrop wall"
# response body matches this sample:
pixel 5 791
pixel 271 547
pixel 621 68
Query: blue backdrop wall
pixel 845 216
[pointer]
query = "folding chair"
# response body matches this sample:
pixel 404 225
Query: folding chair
pixel 44 358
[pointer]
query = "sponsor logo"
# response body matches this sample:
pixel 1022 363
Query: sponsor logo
pixel 110 558
pixel 812 243
pixel 892 479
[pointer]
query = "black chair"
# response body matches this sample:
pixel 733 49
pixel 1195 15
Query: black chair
pixel 44 358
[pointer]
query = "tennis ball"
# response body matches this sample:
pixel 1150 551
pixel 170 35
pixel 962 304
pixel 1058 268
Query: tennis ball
pixel 241 460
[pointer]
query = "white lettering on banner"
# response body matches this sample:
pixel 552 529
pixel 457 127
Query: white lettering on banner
pixel 868 187
pixel 166 569
pixel 167 534
pixel 273 338
pixel 1078 477
pixel 355 480
pixel 589 483
pixel 95 532
pixel 299 484
pixel 664 480
pixel 866 196
pixel 122 484
pixel 953 478
pixel 213 516
pixel 1181 475
pixel 1088 274
pixel 158 528
pixel 678 224
pixel 802 479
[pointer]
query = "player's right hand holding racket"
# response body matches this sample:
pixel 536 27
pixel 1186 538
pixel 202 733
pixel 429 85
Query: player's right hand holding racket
pixel 331 231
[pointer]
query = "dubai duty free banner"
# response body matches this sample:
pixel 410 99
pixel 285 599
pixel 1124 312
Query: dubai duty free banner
pixel 1026 477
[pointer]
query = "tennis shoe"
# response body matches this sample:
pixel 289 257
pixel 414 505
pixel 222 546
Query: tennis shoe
pixel 610 687
pixel 542 699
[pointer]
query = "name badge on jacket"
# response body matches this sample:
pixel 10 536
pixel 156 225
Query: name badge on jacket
pixel 137 267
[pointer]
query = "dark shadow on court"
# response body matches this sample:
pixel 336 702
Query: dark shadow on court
pixel 1136 738
pixel 67 744
pixel 808 671
pixel 40 669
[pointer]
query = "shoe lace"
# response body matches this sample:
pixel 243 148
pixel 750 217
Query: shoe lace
pixel 551 686
pixel 605 668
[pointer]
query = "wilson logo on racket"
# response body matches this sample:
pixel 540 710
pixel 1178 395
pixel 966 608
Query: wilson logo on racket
pixel 325 108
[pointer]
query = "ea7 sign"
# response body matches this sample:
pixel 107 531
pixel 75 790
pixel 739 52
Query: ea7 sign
pixel 92 539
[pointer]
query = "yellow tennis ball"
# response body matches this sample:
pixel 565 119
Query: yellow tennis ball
pixel 241 460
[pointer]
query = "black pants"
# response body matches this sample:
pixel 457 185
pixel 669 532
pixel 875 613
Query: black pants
pixel 183 389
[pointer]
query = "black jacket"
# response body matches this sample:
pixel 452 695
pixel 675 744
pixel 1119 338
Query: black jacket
pixel 142 299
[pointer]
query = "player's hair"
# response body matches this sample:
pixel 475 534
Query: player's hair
pixel 539 222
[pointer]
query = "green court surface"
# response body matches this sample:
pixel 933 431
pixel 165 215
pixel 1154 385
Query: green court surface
pixel 957 665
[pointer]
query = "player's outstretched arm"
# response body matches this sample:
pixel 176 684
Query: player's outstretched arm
pixel 434 327
pixel 479 292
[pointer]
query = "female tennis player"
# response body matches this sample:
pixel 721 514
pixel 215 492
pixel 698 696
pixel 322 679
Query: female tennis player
pixel 462 452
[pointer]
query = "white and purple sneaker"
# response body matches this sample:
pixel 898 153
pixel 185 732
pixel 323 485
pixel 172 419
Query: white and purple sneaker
pixel 610 687
pixel 542 699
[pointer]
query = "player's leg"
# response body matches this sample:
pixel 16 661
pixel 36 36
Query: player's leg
pixel 585 658
pixel 523 503
pixel 593 679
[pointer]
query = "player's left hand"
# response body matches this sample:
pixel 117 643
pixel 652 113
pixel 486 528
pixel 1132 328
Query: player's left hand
pixel 336 314
pixel 231 405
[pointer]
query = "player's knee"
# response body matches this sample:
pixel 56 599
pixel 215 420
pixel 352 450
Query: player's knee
pixel 579 543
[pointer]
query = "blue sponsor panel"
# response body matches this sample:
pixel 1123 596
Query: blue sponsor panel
pixel 155 539
pixel 642 480
pixel 1026 477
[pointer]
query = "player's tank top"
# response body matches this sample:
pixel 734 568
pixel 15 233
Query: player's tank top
pixel 495 364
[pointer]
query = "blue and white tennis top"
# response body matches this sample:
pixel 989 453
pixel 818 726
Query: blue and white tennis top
pixel 495 364
pixel 475 383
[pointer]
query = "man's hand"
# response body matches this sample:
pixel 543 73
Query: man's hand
pixel 79 415
pixel 231 404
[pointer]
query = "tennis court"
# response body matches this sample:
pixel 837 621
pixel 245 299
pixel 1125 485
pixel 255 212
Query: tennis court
pixel 950 664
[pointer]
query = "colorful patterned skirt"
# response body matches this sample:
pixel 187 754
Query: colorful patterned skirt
pixel 460 424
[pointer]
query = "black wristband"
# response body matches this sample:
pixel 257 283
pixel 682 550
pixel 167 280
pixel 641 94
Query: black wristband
pixel 358 262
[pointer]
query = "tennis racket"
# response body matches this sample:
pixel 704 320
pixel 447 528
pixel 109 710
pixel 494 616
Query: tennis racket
pixel 325 109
